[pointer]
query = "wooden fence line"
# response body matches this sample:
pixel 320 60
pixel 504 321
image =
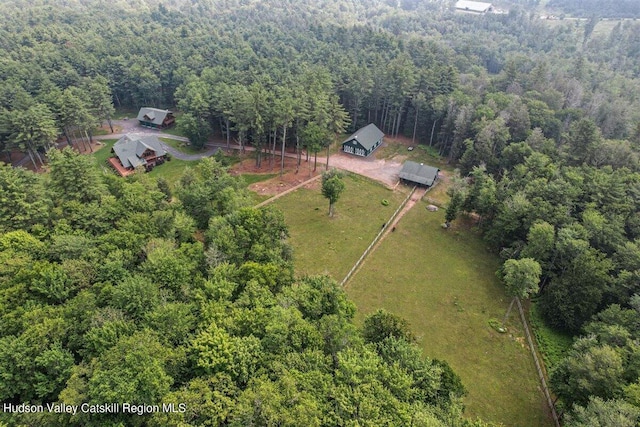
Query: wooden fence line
pixel 375 240
pixel 532 347
pixel 543 382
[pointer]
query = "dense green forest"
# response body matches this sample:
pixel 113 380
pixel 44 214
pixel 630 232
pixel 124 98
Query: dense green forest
pixel 600 8
pixel 542 120
pixel 108 298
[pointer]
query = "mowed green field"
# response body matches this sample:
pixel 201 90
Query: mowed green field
pixel 443 282
pixel 324 245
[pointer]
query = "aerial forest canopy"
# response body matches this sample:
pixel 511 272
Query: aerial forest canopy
pixel 102 277
pixel 600 8
pixel 107 297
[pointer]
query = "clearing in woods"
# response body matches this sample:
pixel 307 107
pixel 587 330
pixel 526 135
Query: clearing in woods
pixel 442 281
pixel 324 245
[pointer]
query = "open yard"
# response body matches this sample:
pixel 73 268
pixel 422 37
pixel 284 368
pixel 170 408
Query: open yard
pixel 103 152
pixel 399 150
pixel 443 283
pixel 181 146
pixel 171 170
pixel 324 245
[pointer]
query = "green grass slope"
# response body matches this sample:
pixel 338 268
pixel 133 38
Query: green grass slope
pixel 443 283
pixel 324 245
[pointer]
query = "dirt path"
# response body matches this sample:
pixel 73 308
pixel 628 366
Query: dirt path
pixel 415 198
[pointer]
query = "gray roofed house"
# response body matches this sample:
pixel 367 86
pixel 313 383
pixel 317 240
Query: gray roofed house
pixel 418 173
pixel 155 117
pixel 132 151
pixel 364 141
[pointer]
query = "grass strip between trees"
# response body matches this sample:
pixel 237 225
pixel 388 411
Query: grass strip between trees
pixel 553 345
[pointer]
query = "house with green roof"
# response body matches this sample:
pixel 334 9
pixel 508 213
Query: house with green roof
pixel 155 118
pixel 364 141
pixel 131 151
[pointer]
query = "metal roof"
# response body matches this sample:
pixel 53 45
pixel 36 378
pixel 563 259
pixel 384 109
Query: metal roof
pixel 129 149
pixel 367 136
pixel 419 173
pixel 153 115
pixel 473 6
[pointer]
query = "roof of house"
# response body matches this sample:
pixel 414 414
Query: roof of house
pixel 153 115
pixel 473 6
pixel 130 148
pixel 367 136
pixel 419 173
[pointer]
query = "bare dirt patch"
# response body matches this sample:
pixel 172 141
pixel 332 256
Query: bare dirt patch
pixel 107 130
pixel 277 184
pixel 385 163
pixel 376 167
pixel 382 170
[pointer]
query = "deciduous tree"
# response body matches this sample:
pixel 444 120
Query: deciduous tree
pixel 521 278
pixel 332 187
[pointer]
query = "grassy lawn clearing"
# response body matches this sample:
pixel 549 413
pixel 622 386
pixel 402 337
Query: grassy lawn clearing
pixel 104 152
pixel 181 146
pixel 443 283
pixel 172 170
pixel 173 131
pixel 420 153
pixel 438 194
pixel 324 245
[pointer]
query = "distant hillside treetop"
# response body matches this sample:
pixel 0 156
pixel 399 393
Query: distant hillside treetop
pixel 600 8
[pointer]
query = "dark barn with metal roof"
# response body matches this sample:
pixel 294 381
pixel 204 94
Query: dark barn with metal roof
pixel 155 118
pixel 418 173
pixel 364 141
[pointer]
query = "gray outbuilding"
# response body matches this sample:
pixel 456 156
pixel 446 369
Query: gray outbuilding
pixel 418 173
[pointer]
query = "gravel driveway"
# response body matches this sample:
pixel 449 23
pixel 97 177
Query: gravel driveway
pixel 382 170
